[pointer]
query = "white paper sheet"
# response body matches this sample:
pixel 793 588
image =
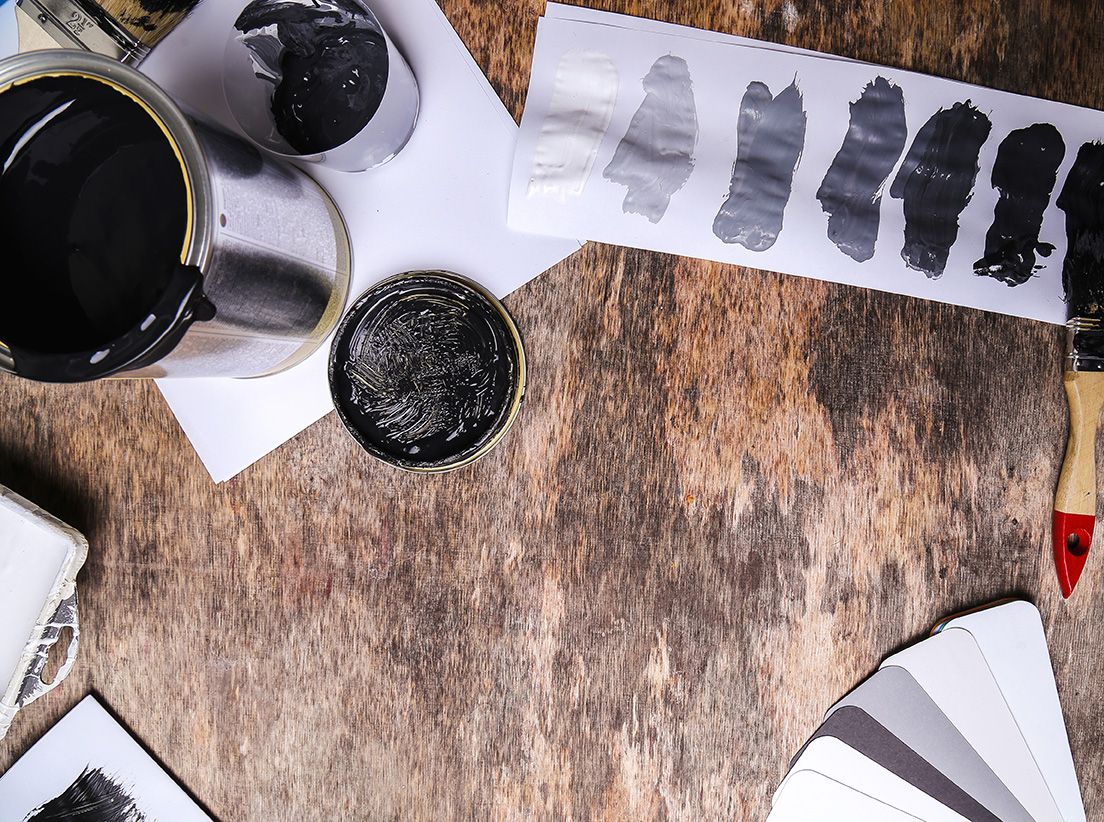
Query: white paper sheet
pixel 952 670
pixel 811 796
pixel 1012 640
pixel 721 71
pixel 87 737
pixel 461 150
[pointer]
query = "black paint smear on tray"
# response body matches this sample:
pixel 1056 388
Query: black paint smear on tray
pixel 1082 200
pixel 851 194
pixel 769 141
pixel 1024 173
pixel 328 61
pixel 935 182
pixel 93 797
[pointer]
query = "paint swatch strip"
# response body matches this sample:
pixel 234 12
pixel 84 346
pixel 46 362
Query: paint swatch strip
pixel 779 160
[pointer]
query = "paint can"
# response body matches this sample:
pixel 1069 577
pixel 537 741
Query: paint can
pixel 320 81
pixel 427 371
pixel 142 242
pixel 39 560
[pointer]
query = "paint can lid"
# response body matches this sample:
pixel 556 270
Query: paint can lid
pixel 427 371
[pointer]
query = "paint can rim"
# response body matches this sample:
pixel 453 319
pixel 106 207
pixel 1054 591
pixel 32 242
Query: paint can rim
pixel 350 321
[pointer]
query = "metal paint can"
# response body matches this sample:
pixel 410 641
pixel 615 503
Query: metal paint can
pixel 264 261
pixel 427 371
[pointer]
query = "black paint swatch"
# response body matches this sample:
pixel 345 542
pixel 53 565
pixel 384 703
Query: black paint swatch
pixel 769 141
pixel 328 61
pixel 1024 173
pixel 851 194
pixel 1082 199
pixel 935 182
pixel 93 797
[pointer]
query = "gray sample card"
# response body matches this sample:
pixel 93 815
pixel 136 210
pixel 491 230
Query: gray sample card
pixel 894 699
pixel 856 729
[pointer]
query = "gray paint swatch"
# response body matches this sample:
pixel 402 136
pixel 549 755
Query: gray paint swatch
pixel 851 194
pixel 935 182
pixel 769 141
pixel 656 156
pixel 1024 173
pixel 897 702
pixel 856 729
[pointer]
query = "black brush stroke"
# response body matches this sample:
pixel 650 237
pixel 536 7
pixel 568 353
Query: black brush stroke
pixel 935 182
pixel 1024 173
pixel 93 797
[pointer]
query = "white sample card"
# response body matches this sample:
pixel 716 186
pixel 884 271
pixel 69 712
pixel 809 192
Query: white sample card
pixel 1012 640
pixel 830 757
pixel 809 796
pixel 441 204
pixel 765 158
pixel 88 763
pixel 952 670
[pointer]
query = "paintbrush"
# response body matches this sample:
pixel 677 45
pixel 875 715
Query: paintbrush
pixel 1083 278
pixel 125 30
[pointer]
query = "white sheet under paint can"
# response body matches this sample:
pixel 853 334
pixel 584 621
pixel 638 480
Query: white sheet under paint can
pixel 39 560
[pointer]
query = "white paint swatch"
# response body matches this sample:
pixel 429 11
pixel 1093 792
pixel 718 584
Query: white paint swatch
pixel 1012 640
pixel 579 113
pixel 811 796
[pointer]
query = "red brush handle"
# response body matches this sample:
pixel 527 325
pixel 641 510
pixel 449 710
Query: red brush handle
pixel 1075 500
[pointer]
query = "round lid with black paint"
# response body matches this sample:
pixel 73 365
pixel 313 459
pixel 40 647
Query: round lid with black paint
pixel 427 371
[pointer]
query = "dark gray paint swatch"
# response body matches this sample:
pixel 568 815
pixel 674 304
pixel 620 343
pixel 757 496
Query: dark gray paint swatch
pixel 1024 173
pixel 896 701
pixel 655 157
pixel 769 141
pixel 935 182
pixel 1082 199
pixel 856 729
pixel 851 194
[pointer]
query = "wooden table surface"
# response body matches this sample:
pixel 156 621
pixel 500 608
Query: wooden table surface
pixel 731 493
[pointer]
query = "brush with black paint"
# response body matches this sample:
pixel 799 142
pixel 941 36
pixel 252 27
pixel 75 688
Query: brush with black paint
pixel 1082 201
pixel 124 30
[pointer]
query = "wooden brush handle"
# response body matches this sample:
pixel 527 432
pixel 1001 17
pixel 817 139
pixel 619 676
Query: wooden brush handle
pixel 1075 500
pixel 1077 484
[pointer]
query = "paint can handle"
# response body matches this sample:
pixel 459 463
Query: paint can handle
pixel 64 617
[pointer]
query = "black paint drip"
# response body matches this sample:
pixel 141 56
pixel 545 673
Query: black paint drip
pixel 1082 200
pixel 769 141
pixel 851 194
pixel 328 62
pixel 424 371
pixel 935 182
pixel 1024 173
pixel 93 214
pixel 93 797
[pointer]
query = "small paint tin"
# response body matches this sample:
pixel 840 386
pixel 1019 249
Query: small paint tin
pixel 39 560
pixel 427 371
pixel 320 81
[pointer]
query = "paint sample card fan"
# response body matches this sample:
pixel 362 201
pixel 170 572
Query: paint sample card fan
pixel 88 767
pixel 683 141
pixel 965 725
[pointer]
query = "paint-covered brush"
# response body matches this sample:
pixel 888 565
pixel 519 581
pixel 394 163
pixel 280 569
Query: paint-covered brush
pixel 1082 199
pixel 124 30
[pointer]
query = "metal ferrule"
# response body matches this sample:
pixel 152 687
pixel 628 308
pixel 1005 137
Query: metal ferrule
pixel 1085 344
pixel 84 25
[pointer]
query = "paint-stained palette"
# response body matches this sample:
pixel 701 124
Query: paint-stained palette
pixel 660 137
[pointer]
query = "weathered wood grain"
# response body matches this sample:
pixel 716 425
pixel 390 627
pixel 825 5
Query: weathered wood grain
pixel 729 496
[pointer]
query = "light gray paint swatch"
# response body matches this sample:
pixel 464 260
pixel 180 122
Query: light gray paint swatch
pixel 656 156
pixel 895 700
